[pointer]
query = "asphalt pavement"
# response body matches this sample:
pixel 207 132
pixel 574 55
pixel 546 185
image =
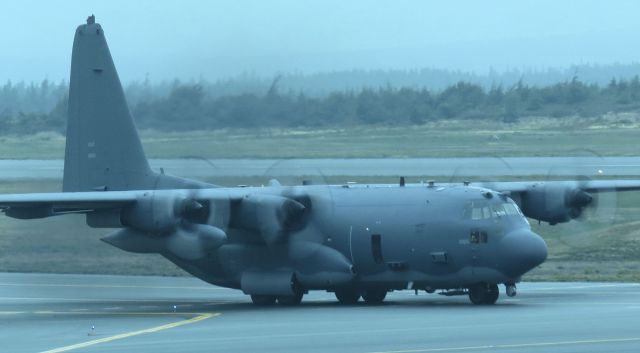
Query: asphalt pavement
pixel 96 313
pixel 449 168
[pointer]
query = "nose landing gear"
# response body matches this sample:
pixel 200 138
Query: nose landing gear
pixel 484 294
pixel 511 289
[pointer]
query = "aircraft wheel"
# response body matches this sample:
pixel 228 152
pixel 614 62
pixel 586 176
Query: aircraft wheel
pixel 493 294
pixel 290 300
pixel 374 296
pixel 263 300
pixel 348 296
pixel 484 294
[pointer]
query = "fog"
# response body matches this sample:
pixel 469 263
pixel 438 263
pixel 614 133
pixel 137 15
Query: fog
pixel 221 39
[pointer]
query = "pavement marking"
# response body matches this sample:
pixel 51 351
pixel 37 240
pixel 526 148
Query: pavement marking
pixel 103 300
pixel 522 345
pixel 580 303
pixel 113 308
pixel 588 286
pixel 118 313
pixel 107 286
pixel 195 319
pixel 87 312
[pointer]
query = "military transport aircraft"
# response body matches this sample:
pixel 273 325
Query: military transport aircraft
pixel 277 242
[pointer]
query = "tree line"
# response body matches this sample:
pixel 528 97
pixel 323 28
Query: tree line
pixel 190 106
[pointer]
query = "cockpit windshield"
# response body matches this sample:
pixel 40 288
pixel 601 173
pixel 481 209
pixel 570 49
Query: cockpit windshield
pixel 477 210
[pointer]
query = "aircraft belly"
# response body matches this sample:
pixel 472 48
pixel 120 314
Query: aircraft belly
pixel 208 270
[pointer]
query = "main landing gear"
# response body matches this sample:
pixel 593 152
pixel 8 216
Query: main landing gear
pixel 484 294
pixel 374 296
pixel 350 296
pixel 286 300
pixel 263 300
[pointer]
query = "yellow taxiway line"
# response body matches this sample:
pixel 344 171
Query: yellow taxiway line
pixel 199 317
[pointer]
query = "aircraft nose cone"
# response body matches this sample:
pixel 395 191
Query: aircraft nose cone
pixel 521 251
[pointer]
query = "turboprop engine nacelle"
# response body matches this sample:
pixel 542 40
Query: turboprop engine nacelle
pixel 555 203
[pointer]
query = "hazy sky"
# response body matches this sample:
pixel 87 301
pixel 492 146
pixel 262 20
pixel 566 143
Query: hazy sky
pixel 213 39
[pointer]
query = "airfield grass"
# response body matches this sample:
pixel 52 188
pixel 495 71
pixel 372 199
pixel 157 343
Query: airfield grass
pixel 602 247
pixel 608 135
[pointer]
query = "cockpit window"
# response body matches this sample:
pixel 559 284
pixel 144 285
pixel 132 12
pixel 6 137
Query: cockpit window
pixel 511 209
pixel 476 213
pixel 477 210
pixel 486 213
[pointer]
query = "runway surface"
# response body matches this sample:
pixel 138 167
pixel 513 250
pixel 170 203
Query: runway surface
pixel 416 167
pixel 86 313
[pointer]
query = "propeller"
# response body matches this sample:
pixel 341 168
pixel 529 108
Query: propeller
pixel 271 216
pixel 216 212
pixel 591 211
pixel 309 186
pixel 168 221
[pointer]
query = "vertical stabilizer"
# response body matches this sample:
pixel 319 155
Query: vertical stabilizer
pixel 103 150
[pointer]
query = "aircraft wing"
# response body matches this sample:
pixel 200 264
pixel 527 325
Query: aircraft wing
pixel 592 186
pixel 40 205
pixel 558 201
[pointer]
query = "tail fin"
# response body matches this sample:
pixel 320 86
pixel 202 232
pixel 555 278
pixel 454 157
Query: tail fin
pixel 103 150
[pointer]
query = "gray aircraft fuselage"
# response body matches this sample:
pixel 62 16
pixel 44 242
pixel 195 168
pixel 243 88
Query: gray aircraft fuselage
pixel 387 237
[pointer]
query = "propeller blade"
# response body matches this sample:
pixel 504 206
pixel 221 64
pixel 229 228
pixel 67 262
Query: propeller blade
pixel 578 198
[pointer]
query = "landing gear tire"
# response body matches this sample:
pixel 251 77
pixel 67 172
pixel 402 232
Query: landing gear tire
pixel 347 296
pixel 291 300
pixel 263 300
pixel 374 296
pixel 484 294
